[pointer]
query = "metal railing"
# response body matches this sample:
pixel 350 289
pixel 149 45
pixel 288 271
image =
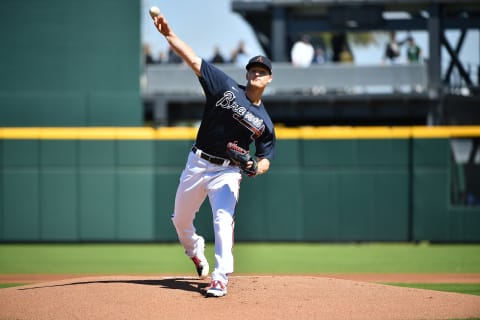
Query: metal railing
pixel 168 79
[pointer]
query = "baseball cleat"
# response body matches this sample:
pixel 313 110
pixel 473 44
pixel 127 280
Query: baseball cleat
pixel 217 289
pixel 201 264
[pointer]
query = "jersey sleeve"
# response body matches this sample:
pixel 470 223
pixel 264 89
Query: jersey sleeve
pixel 212 79
pixel 265 145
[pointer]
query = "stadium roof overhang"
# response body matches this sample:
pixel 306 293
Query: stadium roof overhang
pixel 276 22
pixel 304 16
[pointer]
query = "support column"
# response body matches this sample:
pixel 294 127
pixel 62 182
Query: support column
pixel 160 112
pixel 279 35
pixel 435 30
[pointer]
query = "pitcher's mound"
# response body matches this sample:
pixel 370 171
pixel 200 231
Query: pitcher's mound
pixel 249 297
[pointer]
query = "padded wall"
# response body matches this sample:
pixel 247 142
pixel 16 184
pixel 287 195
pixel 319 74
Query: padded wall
pixel 317 190
pixel 435 218
pixel 69 63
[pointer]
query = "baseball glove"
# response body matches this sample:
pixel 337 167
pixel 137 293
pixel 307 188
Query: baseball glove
pixel 241 157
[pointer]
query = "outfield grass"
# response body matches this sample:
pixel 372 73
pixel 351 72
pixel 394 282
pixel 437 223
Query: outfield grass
pixel 260 258
pixel 358 258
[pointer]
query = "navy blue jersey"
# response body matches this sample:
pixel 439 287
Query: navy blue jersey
pixel 229 116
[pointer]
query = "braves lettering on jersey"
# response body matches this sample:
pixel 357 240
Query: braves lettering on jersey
pixel 229 116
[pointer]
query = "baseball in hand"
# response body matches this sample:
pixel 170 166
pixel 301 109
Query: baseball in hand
pixel 154 12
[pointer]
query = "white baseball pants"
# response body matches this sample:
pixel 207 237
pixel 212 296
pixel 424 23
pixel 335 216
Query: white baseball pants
pixel 221 183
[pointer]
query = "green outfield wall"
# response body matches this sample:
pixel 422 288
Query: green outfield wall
pixel 326 184
pixel 99 176
pixel 70 63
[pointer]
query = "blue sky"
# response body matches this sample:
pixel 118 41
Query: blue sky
pixel 206 24
pixel 202 24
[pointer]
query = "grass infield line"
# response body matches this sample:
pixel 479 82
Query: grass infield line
pixel 10 285
pixel 250 258
pixel 465 288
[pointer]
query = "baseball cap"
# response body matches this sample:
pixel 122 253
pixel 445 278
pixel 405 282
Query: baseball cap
pixel 260 60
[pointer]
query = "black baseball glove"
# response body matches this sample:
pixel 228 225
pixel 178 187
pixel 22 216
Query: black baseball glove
pixel 241 157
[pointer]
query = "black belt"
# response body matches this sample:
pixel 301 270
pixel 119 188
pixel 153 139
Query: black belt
pixel 210 158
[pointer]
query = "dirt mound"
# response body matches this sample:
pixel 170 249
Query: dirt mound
pixel 249 297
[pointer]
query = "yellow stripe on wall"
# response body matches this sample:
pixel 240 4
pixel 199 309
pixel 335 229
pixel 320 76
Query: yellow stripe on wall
pixel 387 132
pixel 441 132
pixel 187 133
pixel 355 132
pixel 99 133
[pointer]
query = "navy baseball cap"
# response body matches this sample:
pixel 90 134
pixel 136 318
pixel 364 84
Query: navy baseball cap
pixel 260 61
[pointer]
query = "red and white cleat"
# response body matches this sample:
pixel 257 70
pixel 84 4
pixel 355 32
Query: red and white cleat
pixel 217 289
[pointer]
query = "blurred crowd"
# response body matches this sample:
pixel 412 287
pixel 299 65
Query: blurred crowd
pixel 393 50
pixel 239 56
pixel 304 53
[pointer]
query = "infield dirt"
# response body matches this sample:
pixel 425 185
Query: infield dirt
pixel 249 297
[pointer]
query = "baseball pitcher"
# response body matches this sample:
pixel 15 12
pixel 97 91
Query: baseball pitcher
pixel 234 117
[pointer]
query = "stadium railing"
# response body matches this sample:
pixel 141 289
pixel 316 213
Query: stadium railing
pixel 317 79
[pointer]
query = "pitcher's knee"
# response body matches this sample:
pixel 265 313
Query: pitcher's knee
pixel 177 222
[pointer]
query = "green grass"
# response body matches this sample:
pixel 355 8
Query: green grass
pixel 8 285
pixel 358 258
pixel 257 258
pixel 466 288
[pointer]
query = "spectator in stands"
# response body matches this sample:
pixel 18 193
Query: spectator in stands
pixel 392 49
pixel 346 55
pixel 319 57
pixel 414 52
pixel 338 41
pixel 172 57
pixel 147 54
pixel 217 56
pixel 240 55
pixel 302 52
pixel 161 57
